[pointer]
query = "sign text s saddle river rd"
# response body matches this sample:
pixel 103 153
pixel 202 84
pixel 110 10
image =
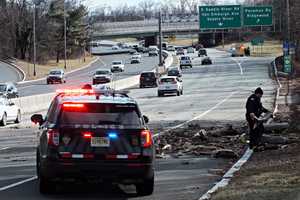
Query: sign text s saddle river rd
pixel 220 17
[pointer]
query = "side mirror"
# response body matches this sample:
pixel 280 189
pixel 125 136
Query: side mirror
pixel 37 119
pixel 146 119
pixel 9 89
pixel 179 75
pixel 11 103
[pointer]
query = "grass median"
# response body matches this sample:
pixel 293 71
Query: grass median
pixel 42 70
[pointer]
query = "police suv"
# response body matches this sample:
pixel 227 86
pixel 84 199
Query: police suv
pixel 98 135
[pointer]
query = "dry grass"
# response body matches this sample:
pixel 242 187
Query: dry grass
pixel 183 41
pixel 270 175
pixel 43 70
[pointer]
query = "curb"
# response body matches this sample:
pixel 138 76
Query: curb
pixel 237 166
pixel 18 69
pixel 227 177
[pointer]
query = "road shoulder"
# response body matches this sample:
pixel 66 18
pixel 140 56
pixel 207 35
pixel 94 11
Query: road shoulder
pixel 272 174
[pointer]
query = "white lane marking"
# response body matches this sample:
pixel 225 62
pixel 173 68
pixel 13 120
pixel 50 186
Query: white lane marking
pixel 239 64
pixel 278 89
pixel 18 183
pixel 4 148
pixel 199 116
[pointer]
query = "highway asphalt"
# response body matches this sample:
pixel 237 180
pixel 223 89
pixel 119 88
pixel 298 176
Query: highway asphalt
pixel 9 73
pixel 81 77
pixel 212 94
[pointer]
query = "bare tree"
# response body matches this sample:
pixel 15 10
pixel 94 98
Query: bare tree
pixel 147 8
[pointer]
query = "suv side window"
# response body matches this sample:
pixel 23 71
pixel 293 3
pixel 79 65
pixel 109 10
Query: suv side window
pixel 52 112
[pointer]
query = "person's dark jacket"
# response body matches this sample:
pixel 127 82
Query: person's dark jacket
pixel 254 105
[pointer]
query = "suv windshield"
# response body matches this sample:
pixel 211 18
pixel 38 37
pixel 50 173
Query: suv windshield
pixel 55 72
pixel 167 80
pixel 117 63
pixel 3 88
pixel 102 72
pixel 185 58
pixel 173 72
pixel 101 114
pixel 150 75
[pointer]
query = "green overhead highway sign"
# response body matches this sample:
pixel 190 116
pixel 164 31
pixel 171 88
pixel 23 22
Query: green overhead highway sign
pixel 258 16
pixel 220 17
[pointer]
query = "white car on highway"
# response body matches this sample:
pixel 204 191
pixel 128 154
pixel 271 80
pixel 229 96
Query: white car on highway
pixel 135 59
pixel 170 85
pixel 115 47
pixel 9 112
pixel 117 66
pixel 185 61
pixel 102 76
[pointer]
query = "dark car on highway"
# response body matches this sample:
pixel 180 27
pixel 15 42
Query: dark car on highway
pixel 180 51
pixel 9 90
pixel 148 79
pixel 206 61
pixel 175 72
pixel 202 52
pixel 94 136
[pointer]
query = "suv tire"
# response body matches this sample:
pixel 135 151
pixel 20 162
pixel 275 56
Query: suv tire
pixel 145 188
pixel 18 119
pixel 3 121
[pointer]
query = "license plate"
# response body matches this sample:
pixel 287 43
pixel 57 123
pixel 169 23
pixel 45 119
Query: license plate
pixel 100 142
pixel 167 87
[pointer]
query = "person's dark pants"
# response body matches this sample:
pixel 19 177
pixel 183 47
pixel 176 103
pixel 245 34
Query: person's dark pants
pixel 255 133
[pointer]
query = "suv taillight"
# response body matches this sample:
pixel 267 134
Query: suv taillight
pixel 146 139
pixel 53 137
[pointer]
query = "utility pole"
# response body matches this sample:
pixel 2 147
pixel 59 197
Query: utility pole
pixel 34 40
pixel 288 19
pixel 160 40
pixel 65 35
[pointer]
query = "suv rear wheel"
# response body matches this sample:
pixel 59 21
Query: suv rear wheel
pixel 145 188
pixel 3 121
pixel 45 186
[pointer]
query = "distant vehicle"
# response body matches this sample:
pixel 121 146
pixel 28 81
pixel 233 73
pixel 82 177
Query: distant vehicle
pixel 175 71
pixel 237 50
pixel 90 135
pixel 102 76
pixel 135 59
pixel 148 79
pixel 9 112
pixel 170 85
pixel 206 61
pixel 190 50
pixel 143 49
pixel 117 66
pixel 180 51
pixel 185 61
pixel 164 45
pixel 171 48
pixel 137 55
pixel 115 47
pixel 132 51
pixel 153 52
pixel 9 90
pixel 202 52
pixel 56 76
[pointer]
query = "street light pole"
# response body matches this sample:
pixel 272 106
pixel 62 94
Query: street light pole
pixel 288 19
pixel 65 36
pixel 34 40
pixel 160 40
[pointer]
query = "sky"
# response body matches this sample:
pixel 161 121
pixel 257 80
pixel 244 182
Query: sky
pixel 93 4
